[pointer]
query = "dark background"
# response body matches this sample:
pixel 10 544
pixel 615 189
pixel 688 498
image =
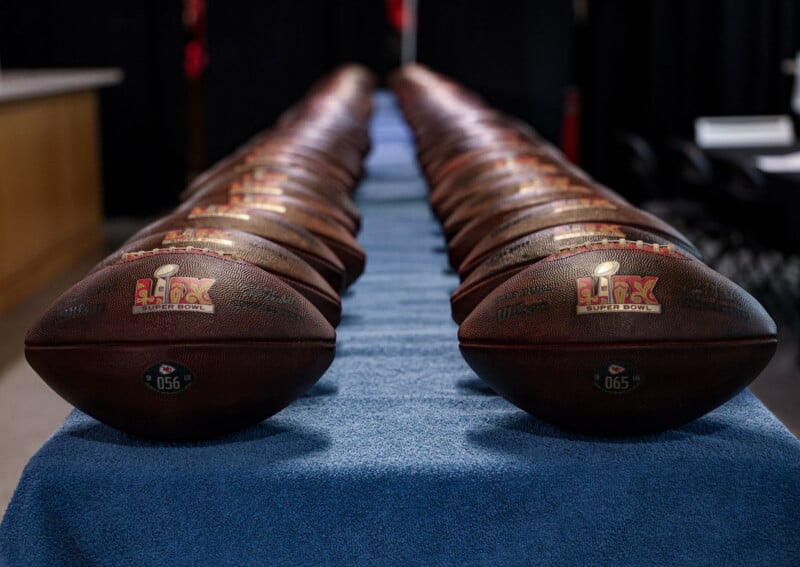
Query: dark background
pixel 144 119
pixel 650 67
pixel 644 67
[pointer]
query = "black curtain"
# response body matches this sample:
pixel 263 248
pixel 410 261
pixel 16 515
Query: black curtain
pixel 653 66
pixel 143 120
pixel 264 56
pixel 516 53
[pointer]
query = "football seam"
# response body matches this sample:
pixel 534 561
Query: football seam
pixel 289 343
pixel 766 339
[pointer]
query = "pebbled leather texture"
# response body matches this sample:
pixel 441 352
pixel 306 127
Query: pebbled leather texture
pixel 249 304
pixel 265 224
pixel 261 252
pixel 485 220
pixel 531 248
pixel 467 167
pixel 222 177
pixel 301 208
pixel 695 303
pixel 291 181
pixel 529 188
pixel 704 340
pixel 466 258
pixel 257 345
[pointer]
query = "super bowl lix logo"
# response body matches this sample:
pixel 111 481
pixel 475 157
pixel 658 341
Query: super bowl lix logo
pixel 607 292
pixel 170 293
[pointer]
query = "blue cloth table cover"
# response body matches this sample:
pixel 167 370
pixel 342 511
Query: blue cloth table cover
pixel 401 455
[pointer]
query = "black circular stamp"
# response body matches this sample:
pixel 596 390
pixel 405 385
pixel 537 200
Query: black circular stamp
pixel 168 378
pixel 615 378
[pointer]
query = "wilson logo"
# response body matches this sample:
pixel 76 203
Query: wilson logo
pixel 607 292
pixel 170 293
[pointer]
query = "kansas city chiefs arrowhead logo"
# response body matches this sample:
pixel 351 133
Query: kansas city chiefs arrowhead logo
pixel 166 369
pixel 615 369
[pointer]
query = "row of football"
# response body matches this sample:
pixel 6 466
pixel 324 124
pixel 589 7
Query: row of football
pixel 221 313
pixel 574 305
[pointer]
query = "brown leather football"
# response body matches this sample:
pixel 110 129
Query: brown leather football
pixel 469 165
pixel 471 197
pixel 240 161
pixel 465 254
pixel 300 155
pixel 618 338
pixel 335 131
pixel 259 251
pixel 445 203
pixel 292 204
pixel 531 248
pixel 316 220
pixel 324 144
pixel 180 344
pixel 482 130
pixel 257 181
pixel 262 223
pixel 480 216
pixel 497 213
pixel 266 172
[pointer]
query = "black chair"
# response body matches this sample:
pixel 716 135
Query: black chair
pixel 689 169
pixel 636 168
pixel 744 199
pixel 687 180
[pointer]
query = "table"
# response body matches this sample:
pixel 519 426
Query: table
pixel 401 455
pixel 50 191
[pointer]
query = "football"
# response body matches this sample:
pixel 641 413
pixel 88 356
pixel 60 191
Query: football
pixel 324 144
pixel 290 155
pixel 263 173
pixel 475 166
pixel 279 158
pixel 180 344
pixel 262 223
pixel 335 236
pixel 468 249
pixel 257 181
pixel 618 338
pixel 461 207
pixel 436 155
pixel 293 205
pixel 480 217
pixel 531 248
